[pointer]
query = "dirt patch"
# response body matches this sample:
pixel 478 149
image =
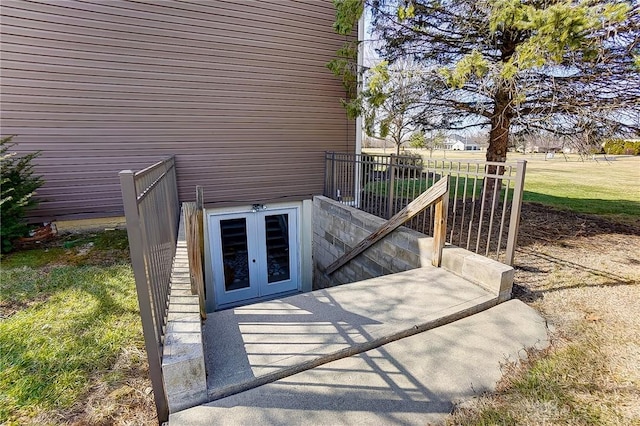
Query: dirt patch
pixel 11 307
pixel 542 224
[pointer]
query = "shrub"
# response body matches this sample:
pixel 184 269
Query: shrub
pixel 409 159
pixel 418 140
pixel 17 187
pixel 620 146
pixel 408 164
pixel 632 148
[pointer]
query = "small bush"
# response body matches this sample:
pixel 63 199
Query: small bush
pixel 621 147
pixel 409 159
pixel 418 140
pixel 17 187
pixel 407 164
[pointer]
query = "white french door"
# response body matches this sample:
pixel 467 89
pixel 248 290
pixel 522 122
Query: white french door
pixel 254 254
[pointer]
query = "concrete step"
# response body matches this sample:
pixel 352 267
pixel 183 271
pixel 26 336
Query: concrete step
pixel 253 345
pixel 411 381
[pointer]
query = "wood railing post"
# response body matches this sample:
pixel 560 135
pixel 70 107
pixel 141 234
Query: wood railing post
pixel 439 228
pixel 149 326
pixel 189 211
pixel 200 236
pixel 195 247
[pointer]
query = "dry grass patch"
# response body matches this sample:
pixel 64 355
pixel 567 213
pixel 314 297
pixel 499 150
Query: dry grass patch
pixel 582 274
pixel 569 383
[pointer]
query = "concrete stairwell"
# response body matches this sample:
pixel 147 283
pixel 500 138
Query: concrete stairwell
pixel 397 349
pixel 248 350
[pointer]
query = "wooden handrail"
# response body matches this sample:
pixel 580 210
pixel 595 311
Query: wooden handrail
pixel 438 193
pixel 193 214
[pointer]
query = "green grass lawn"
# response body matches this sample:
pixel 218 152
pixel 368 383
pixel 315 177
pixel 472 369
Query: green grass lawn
pixel 413 187
pixel 68 313
pixel 606 188
pixel 609 189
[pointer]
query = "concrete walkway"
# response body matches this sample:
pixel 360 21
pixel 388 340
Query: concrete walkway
pixel 414 380
pixel 252 345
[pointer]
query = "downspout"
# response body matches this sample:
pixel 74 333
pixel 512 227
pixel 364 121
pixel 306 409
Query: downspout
pixel 358 151
pixel 360 63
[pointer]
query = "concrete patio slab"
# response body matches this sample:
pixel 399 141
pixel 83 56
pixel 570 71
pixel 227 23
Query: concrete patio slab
pixel 252 345
pixel 411 381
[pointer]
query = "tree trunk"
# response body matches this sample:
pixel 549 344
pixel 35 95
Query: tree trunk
pixel 499 134
pixel 498 145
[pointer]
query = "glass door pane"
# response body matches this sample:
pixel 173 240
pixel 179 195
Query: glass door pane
pixel 277 243
pixel 235 253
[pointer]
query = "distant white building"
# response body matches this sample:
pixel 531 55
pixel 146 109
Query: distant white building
pixel 465 146
pixel 547 149
pixel 458 143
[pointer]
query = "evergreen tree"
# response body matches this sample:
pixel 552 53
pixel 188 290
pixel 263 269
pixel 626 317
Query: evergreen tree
pixel 17 187
pixel 515 65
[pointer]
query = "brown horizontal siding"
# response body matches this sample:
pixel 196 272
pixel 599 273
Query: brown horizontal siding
pixel 238 91
pixel 35 73
pixel 197 15
pixel 199 49
pixel 170 33
pixel 179 60
pixel 26 79
pixel 13 87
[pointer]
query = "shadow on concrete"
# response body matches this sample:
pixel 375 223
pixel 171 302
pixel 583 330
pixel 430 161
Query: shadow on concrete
pixel 256 337
pixel 416 380
pixel 341 393
pixel 257 344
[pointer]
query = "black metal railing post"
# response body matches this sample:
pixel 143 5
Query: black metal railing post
pixel 392 186
pixel 516 206
pixel 149 324
pixel 333 175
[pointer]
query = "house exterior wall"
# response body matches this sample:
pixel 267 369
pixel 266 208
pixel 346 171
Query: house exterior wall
pixel 238 91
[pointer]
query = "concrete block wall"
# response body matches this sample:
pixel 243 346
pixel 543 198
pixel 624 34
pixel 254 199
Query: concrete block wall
pixel 338 227
pixel 494 276
pixel 183 369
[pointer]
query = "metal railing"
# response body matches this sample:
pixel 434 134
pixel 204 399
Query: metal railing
pixel 152 211
pixel 484 197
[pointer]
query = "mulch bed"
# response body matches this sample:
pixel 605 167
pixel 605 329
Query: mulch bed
pixel 540 223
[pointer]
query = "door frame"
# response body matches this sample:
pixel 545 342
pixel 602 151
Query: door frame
pixel 215 287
